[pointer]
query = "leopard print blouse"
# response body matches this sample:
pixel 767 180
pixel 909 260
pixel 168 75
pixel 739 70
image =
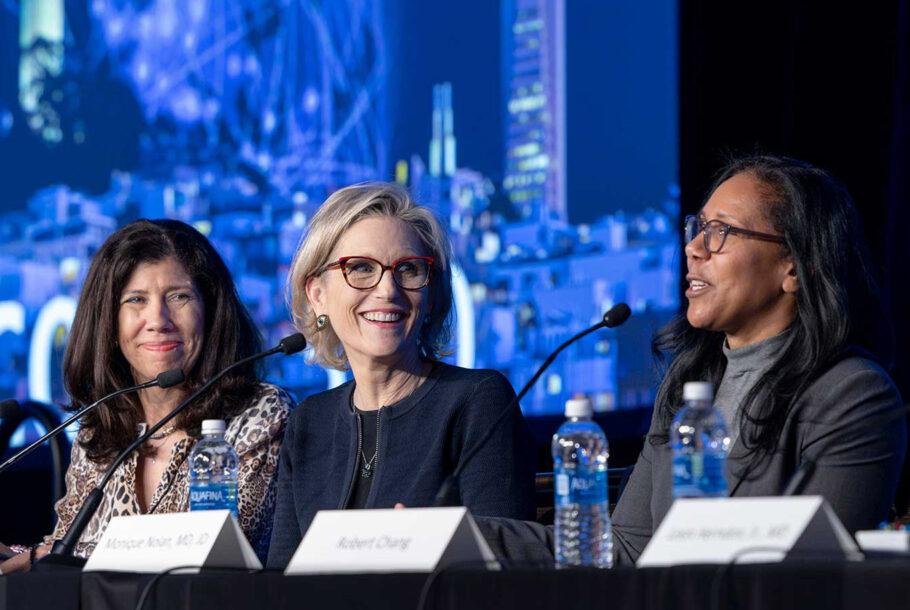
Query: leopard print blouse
pixel 256 436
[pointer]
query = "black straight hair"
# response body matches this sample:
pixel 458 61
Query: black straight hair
pixel 838 306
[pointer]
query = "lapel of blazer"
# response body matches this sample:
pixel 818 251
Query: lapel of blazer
pixel 738 460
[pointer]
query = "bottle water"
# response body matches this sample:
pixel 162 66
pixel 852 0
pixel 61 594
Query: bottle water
pixel 580 452
pixel 213 470
pixel 699 441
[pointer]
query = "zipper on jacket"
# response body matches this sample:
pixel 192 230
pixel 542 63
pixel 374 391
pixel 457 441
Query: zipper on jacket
pixel 376 457
pixel 347 498
pixel 372 495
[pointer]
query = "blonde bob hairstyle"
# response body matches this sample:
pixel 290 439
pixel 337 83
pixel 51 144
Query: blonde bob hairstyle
pixel 339 212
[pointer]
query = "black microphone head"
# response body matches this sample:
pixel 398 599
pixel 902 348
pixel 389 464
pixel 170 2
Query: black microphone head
pixel 8 408
pixel 169 379
pixel 618 314
pixel 292 344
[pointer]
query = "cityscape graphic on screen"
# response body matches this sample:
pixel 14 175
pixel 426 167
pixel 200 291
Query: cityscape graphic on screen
pixel 241 117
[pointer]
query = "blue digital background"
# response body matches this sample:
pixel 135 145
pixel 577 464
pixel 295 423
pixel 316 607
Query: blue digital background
pixel 543 132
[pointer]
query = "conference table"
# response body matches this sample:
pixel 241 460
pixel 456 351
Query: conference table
pixel 865 585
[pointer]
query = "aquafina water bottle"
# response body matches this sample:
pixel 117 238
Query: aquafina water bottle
pixel 213 470
pixel 699 441
pixel 580 452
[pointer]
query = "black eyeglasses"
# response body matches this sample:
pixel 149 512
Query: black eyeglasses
pixel 716 232
pixel 364 273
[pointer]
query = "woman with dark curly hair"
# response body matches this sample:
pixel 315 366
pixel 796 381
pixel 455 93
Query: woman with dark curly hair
pixel 159 297
pixel 783 318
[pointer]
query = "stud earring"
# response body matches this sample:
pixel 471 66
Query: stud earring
pixel 321 322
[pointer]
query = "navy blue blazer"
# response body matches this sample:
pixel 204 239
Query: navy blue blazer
pixel 421 439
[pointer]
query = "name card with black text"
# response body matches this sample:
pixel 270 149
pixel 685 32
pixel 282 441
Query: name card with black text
pixel 154 543
pixel 747 530
pixel 390 540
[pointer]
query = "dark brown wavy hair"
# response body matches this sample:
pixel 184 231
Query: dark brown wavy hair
pixel 94 366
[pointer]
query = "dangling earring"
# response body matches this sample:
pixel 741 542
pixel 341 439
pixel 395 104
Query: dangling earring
pixel 321 322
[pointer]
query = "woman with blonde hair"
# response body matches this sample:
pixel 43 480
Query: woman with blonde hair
pixel 370 287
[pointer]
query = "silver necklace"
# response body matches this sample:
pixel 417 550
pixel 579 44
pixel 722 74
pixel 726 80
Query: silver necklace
pixel 143 428
pixel 153 456
pixel 366 471
pixel 163 433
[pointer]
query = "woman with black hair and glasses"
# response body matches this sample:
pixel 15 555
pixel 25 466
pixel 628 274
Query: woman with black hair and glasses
pixel 371 289
pixel 783 318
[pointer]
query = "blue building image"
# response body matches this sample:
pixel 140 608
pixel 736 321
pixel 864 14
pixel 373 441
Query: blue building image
pixel 253 118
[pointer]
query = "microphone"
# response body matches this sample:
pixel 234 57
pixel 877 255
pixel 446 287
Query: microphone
pixel 614 317
pixel 9 408
pixel 289 345
pixel 62 551
pixel 166 379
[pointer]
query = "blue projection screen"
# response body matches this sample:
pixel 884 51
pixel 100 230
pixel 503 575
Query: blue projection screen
pixel 543 132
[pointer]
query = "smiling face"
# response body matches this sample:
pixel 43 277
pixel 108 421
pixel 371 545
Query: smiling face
pixel 748 289
pixel 379 325
pixel 160 323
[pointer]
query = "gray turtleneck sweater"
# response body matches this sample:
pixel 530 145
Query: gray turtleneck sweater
pixel 845 419
pixel 745 366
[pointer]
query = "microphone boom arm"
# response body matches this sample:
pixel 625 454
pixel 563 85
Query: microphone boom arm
pixel 552 357
pixel 65 546
pixel 81 413
pixel 620 313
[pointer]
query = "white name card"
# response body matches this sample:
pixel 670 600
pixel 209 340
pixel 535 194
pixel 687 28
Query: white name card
pixel 389 540
pixel 741 530
pixel 154 543
pixel 884 541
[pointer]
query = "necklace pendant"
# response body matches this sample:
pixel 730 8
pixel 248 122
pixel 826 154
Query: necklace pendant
pixel 366 472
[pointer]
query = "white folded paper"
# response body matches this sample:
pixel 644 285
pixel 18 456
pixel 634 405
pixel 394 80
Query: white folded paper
pixel 390 540
pixel 155 543
pixel 884 541
pixel 742 530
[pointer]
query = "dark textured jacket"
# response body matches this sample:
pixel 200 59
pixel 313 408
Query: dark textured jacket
pixel 838 421
pixel 421 439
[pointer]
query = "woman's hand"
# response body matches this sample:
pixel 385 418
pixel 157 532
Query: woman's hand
pixel 5 550
pixel 21 562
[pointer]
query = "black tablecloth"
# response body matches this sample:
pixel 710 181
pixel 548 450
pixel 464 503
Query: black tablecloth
pixel 831 585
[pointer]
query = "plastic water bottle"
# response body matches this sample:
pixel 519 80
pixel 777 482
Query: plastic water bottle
pixel 580 452
pixel 213 470
pixel 699 440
